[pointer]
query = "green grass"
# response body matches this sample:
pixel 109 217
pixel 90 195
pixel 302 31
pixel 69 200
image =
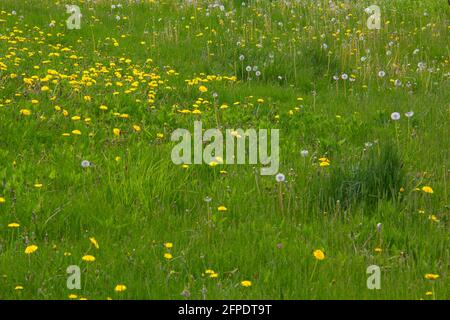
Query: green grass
pixel 135 204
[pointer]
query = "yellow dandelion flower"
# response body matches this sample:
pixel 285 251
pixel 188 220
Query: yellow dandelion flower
pixel 160 135
pixel 427 189
pixel 2 200
pixel 433 218
pixel 378 250
pixel 222 208
pixel 431 276
pixel 203 89
pixel 77 132
pixel 73 296
pixel 25 112
pixel 94 242
pixel 319 255
pixel 13 225
pixel 116 131
pixel 120 288
pixel 168 256
pixel 18 288
pixel 38 185
pixel 246 283
pixel 30 249
pixel 429 293
pixel 88 258
pixel 168 245
pixel 137 128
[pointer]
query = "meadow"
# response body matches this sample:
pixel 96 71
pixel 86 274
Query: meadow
pixel 87 180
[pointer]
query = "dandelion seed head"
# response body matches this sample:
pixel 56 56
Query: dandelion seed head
pixel 85 164
pixel 395 116
pixel 280 177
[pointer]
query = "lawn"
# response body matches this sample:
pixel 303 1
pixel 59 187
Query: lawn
pixel 87 180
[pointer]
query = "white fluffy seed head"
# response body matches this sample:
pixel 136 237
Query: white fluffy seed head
pixel 280 177
pixel 85 164
pixel 395 116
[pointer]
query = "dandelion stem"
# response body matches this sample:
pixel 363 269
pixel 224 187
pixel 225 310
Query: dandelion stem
pixel 216 110
pixel 396 135
pixel 209 222
pixel 313 272
pixel 280 197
